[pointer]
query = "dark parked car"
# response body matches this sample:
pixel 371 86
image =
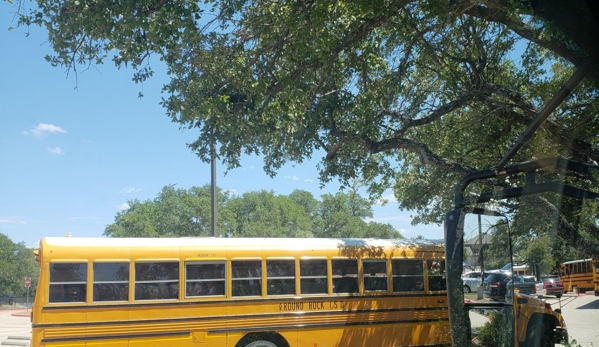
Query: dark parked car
pixel 6 299
pixel 553 285
pixel 495 285
pixel 526 285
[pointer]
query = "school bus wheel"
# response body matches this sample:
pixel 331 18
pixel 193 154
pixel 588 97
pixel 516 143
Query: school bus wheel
pixel 261 343
pixel 265 339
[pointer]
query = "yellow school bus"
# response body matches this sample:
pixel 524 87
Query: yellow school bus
pixel 581 275
pixel 240 292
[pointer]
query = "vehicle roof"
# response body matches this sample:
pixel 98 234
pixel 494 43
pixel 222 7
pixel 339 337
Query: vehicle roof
pixel 210 247
pixel 499 273
pixel 291 243
pixel 577 261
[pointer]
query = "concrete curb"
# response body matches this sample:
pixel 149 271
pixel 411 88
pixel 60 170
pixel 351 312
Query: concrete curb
pixel 21 314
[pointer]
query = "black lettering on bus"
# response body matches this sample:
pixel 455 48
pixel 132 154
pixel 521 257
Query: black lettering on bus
pixel 316 305
pixel 291 306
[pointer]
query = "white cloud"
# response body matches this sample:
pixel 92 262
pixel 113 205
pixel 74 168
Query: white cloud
pixel 307 180
pixel 55 150
pixel 129 190
pixel 43 129
pixel 11 220
pixel 388 197
pixel 122 207
pixel 294 177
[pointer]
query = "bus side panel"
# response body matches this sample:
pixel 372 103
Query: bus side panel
pixel 410 334
pixel 111 343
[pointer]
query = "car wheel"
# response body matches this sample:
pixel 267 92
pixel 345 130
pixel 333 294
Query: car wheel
pixel 558 296
pixel 466 289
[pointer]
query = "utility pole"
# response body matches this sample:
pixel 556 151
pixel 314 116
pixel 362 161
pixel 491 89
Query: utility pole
pixel 481 258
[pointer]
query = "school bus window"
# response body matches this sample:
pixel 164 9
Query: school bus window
pixel 345 276
pixel 375 275
pixel 436 274
pixel 280 277
pixel 313 274
pixel 247 278
pixel 408 275
pixel 204 279
pixel 68 282
pixel 111 282
pixel 154 281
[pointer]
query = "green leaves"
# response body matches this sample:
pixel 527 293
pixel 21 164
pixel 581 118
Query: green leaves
pixel 405 95
pixel 16 263
pixel 179 212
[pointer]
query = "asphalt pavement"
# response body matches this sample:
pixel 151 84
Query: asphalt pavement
pixel 15 328
pixel 581 313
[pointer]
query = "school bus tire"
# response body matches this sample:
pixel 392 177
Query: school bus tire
pixel 263 339
pixel 261 343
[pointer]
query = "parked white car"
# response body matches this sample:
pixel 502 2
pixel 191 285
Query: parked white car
pixel 472 281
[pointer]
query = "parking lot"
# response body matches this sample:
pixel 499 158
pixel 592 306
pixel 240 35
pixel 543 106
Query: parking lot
pixel 15 328
pixel 581 313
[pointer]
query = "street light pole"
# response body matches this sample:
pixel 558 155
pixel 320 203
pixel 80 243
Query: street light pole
pixel 213 189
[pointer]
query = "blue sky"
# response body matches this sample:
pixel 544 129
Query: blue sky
pixel 73 151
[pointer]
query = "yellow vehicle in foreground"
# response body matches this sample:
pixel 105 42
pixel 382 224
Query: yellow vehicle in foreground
pixel 515 319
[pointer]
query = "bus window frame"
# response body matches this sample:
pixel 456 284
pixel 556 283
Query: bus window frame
pixel 344 275
pixel 327 277
pixel 365 276
pixel 259 277
pixel 283 278
pixel 63 283
pixel 144 282
pixel 224 279
pixel 94 282
pixel 422 276
pixel 442 275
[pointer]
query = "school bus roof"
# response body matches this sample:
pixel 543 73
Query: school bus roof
pixel 238 243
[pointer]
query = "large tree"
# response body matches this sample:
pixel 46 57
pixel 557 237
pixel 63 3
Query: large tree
pixel 16 263
pixel 177 212
pixel 409 95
